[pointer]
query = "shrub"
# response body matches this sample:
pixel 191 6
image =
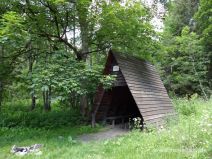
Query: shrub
pixel 185 107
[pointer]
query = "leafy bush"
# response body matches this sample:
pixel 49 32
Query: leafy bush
pixel 188 107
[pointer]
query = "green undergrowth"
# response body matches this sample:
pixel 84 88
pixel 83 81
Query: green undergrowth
pixel 188 137
pixel 18 114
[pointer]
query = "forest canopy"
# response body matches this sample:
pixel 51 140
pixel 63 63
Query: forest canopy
pixel 55 50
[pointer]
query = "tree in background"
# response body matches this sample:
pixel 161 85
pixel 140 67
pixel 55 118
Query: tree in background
pixel 203 18
pixel 185 65
pixel 14 41
pixel 185 61
pixel 66 43
pixel 127 28
pixel 180 14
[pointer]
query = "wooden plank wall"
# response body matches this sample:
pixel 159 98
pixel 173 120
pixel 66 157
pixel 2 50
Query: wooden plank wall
pixel 104 106
pixel 146 87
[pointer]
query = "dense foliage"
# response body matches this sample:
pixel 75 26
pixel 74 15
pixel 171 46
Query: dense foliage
pixel 55 50
pixel 186 54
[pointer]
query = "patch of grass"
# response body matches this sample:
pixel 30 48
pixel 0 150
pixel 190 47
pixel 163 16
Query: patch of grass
pixel 189 137
pixel 52 139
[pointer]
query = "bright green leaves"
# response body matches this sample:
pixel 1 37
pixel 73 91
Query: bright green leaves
pixel 204 15
pixel 107 81
pixel 204 29
pixel 179 15
pixel 126 28
pixel 185 64
pixel 204 25
pixel 62 29
pixel 12 28
pixel 185 50
pixel 57 1
pixel 13 38
pixel 189 43
pixel 67 76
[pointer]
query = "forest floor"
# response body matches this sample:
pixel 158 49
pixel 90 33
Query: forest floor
pixel 189 137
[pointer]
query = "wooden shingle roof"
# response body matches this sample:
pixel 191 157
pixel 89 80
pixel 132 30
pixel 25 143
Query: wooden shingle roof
pixel 146 87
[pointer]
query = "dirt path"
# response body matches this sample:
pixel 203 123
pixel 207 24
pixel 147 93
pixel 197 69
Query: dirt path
pixel 103 135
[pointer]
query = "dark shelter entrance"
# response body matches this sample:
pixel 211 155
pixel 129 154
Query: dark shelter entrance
pixel 122 106
pixel 117 106
pixel 137 92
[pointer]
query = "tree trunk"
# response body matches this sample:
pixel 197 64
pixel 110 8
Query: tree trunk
pixel 33 104
pixel 85 49
pixel 33 98
pixel 1 75
pixel 84 99
pixel 210 72
pixel 44 99
pixel 47 99
pixel 83 105
pixel 1 94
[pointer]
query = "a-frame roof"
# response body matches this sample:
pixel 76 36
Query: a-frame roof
pixel 146 87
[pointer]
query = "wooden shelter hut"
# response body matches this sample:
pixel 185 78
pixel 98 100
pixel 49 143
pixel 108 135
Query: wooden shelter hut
pixel 137 92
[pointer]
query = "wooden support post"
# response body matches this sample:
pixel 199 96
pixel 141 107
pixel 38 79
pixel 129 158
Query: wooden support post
pixel 113 123
pixel 104 121
pixel 126 125
pixel 93 121
pixel 122 122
